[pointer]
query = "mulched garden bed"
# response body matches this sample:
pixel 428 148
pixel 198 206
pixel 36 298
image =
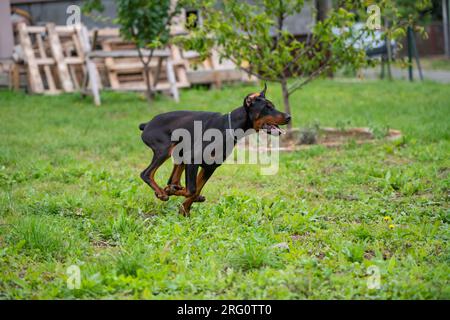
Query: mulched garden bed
pixel 299 139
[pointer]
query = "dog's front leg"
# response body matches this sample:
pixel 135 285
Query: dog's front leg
pixel 191 179
pixel 202 178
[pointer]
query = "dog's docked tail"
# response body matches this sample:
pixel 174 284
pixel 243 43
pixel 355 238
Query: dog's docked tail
pixel 142 126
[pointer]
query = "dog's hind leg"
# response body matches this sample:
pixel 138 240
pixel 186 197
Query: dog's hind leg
pixel 148 175
pixel 174 183
pixel 174 186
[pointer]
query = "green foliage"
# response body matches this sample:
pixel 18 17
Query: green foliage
pixel 412 11
pixel 93 5
pixel 40 238
pixel 129 263
pixel 146 23
pixel 70 193
pixel 254 36
pixel 256 33
pixel 253 255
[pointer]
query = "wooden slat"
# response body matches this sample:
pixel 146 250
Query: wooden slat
pixel 189 54
pixel 180 67
pixel 109 63
pixel 124 66
pixel 158 71
pixel 51 61
pixel 172 80
pixel 34 76
pixel 77 45
pixel 73 69
pixel 57 52
pixel 131 67
pixel 209 76
pixel 14 77
pixel 62 30
pixel 47 70
pixel 65 30
pixel 127 53
pixel 130 77
pixel 108 32
pixel 74 60
pixel 90 65
pixel 140 86
pixel 35 29
pixel 80 55
pixel 84 55
pixel 215 64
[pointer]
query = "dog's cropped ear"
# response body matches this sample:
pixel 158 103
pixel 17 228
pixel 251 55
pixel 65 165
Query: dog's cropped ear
pixel 262 94
pixel 250 98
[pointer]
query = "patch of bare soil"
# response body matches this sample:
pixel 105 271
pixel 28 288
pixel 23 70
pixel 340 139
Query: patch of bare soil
pixel 298 237
pixel 298 139
pixel 332 137
pixel 101 244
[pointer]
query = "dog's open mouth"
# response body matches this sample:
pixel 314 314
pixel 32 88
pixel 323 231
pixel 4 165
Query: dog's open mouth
pixel 273 129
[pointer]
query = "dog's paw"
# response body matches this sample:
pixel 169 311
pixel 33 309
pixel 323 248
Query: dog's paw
pixel 200 198
pixel 172 189
pixel 168 190
pixel 162 196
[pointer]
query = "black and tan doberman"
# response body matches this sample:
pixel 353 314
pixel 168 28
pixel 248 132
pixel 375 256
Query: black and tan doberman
pixel 256 113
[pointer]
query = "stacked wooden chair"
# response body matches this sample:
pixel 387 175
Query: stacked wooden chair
pixel 68 58
pixel 125 70
pixel 56 58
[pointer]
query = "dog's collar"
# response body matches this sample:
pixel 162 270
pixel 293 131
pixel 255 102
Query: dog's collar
pixel 230 129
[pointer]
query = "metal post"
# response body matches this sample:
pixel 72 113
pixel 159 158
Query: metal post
pixel 410 49
pixel 416 55
pixel 389 49
pixel 446 26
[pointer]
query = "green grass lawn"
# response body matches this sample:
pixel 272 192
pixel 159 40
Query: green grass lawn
pixel 70 194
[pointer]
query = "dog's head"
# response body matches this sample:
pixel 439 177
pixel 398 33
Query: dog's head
pixel 262 113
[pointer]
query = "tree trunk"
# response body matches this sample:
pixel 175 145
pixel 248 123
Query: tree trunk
pixel 146 72
pixel 287 106
pixel 389 49
pixel 323 8
pixel 147 82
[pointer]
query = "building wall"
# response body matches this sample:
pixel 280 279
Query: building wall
pixel 432 45
pixel 301 24
pixel 43 11
pixel 6 36
pixel 55 11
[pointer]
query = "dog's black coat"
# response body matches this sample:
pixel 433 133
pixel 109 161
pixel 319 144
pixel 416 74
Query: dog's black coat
pixel 256 113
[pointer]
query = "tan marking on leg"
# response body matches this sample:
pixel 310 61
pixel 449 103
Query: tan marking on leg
pixel 201 181
pixel 160 193
pixel 177 174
